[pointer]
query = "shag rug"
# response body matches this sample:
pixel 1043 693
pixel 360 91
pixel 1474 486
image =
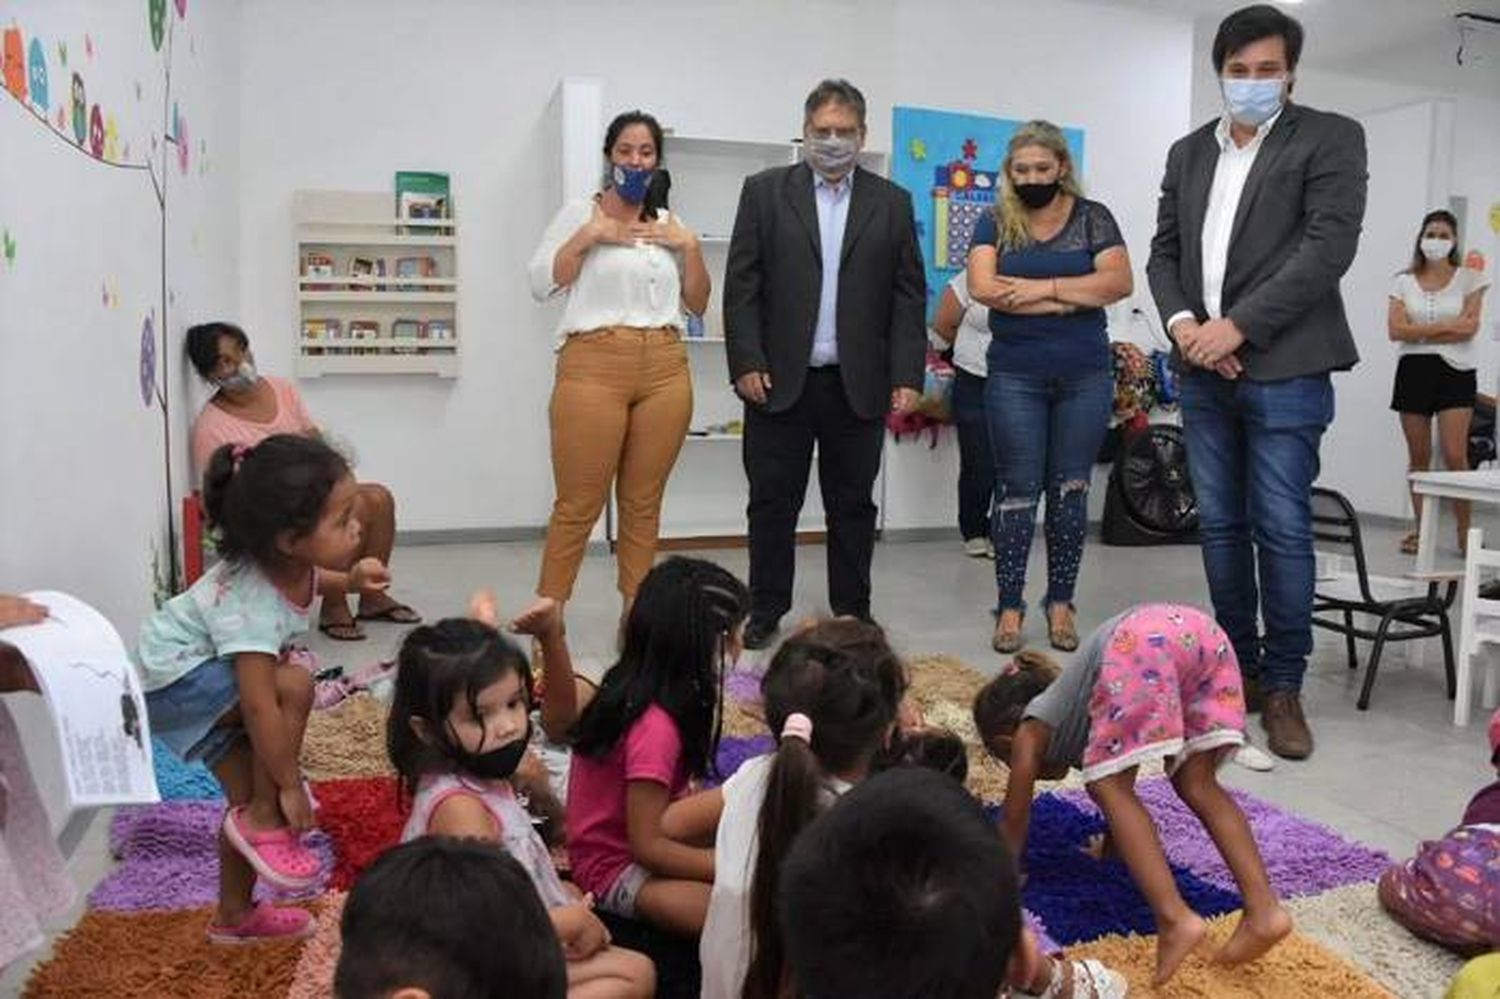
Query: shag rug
pixel 142 935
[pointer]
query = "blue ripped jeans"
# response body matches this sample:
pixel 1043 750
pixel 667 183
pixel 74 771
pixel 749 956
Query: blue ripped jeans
pixel 1046 432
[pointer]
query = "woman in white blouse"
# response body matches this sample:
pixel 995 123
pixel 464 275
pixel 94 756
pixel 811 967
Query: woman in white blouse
pixel 622 397
pixel 1434 315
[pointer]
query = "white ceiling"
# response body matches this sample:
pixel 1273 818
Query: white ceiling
pixel 1406 41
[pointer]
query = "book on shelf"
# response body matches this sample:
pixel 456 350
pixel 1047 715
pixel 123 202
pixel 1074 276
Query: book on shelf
pixel 317 265
pixel 363 329
pixel 440 333
pixel 407 329
pixel 319 332
pixel 367 268
pixel 414 267
pixel 421 195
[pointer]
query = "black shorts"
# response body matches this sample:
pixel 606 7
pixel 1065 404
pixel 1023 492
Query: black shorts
pixel 1427 384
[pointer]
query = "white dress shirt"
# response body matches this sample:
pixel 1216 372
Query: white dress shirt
pixel 1230 174
pixel 833 217
pixel 638 285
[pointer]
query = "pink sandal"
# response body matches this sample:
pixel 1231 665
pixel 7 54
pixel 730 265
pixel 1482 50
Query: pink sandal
pixel 277 855
pixel 265 923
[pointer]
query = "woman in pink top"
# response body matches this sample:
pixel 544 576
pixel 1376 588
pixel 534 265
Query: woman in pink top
pixel 248 407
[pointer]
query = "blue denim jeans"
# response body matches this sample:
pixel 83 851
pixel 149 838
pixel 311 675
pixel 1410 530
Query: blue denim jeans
pixel 1253 453
pixel 1045 433
pixel 976 463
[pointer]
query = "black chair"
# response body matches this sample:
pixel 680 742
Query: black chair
pixel 1402 619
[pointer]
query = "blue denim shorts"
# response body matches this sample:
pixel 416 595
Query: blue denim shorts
pixel 186 713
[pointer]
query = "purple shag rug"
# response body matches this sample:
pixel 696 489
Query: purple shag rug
pixel 1302 857
pixel 169 858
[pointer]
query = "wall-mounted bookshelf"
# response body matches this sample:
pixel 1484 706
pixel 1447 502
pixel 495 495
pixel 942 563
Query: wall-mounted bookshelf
pixel 376 294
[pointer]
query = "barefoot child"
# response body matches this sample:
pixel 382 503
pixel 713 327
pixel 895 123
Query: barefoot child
pixel 215 670
pixel 1157 681
pixel 458 729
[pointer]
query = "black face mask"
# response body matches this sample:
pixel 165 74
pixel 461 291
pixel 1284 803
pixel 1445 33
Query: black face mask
pixel 1037 195
pixel 497 764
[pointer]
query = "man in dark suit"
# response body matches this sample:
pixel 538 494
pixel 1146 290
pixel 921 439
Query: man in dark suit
pixel 824 313
pixel 1259 218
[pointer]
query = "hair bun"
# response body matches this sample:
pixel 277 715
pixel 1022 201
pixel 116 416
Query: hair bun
pixel 1038 664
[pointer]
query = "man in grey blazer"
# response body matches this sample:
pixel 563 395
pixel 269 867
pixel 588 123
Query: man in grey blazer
pixel 824 314
pixel 1259 218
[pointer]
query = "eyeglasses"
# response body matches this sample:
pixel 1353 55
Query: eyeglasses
pixel 832 133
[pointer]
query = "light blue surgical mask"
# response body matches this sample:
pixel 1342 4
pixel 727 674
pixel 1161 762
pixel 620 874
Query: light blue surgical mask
pixel 1253 102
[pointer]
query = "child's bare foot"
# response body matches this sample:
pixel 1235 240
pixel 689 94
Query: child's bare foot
pixel 1174 942
pixel 1254 936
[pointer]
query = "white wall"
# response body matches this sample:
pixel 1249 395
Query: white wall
pixel 83 491
pixel 473 453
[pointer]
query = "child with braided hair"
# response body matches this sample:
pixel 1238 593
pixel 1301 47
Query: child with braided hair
pixel 652 729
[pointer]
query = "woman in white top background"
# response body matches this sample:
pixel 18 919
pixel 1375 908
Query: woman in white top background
pixel 623 395
pixel 1434 316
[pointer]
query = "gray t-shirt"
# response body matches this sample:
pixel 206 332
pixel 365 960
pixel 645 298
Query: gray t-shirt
pixel 1064 706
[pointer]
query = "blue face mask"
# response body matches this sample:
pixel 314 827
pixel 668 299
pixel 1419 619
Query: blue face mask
pixel 1253 102
pixel 631 184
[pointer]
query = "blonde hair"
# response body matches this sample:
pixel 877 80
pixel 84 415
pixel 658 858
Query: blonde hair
pixel 1010 213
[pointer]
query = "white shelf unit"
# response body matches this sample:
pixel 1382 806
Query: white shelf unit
pixel 707 492
pixel 349 225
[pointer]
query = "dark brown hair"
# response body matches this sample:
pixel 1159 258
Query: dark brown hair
pixel 1000 704
pixel 252 495
pixel 841 674
pixel 1249 25
pixel 661 181
pixel 1418 258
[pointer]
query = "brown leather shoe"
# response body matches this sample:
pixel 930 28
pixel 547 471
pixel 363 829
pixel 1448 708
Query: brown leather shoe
pixel 1286 727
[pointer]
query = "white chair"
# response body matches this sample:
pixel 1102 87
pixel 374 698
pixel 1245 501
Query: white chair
pixel 1478 625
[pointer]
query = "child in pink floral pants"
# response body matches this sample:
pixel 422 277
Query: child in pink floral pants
pixel 1158 681
pixel 1168 685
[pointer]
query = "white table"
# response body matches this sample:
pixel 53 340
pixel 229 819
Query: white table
pixel 1480 486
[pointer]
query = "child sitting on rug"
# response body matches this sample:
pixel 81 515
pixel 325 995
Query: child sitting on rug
pixel 214 663
pixel 438 918
pixel 831 692
pixel 1449 892
pixel 459 726
pixel 1157 681
pixel 652 728
pixel 902 889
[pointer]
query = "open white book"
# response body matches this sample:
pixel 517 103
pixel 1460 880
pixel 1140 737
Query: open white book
pixel 98 709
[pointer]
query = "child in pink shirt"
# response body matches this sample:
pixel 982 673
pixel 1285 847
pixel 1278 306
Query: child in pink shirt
pixel 648 734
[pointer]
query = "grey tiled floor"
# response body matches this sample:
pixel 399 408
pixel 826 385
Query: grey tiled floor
pixel 1387 777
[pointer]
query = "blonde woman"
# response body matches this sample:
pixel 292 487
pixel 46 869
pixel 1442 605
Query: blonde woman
pixel 1045 263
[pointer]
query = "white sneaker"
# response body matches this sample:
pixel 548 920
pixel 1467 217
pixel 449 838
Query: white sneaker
pixel 979 548
pixel 1253 758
